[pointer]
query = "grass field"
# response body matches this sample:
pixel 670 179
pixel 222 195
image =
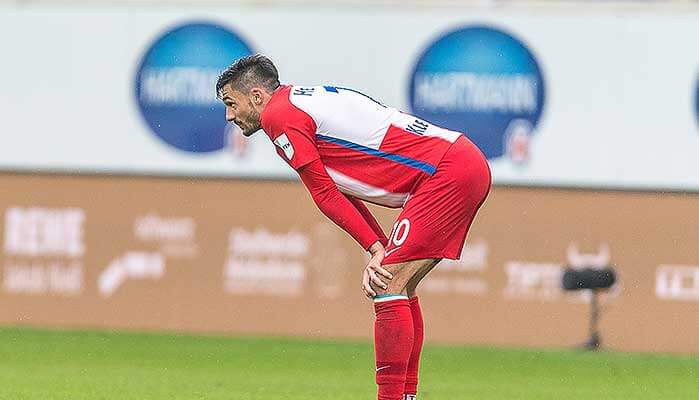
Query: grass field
pixel 45 365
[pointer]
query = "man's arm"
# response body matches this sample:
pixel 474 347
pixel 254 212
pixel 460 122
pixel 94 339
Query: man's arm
pixel 369 218
pixel 293 132
pixel 337 206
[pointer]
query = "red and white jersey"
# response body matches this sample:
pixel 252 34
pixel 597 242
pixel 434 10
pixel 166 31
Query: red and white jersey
pixel 371 151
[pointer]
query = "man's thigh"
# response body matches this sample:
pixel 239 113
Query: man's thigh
pixel 405 275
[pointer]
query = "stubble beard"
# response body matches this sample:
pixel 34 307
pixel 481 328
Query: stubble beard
pixel 252 124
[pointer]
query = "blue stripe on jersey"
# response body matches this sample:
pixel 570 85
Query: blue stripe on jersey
pixel 423 166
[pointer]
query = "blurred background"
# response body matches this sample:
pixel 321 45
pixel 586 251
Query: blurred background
pixel 127 202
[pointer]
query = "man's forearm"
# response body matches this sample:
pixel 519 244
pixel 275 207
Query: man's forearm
pixel 369 218
pixel 342 212
pixel 337 206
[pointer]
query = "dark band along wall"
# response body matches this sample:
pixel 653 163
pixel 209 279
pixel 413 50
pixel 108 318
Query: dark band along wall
pixel 257 257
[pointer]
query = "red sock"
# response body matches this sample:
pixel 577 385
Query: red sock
pixel 419 337
pixel 393 342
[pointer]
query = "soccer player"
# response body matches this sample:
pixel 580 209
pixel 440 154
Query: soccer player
pixel 349 148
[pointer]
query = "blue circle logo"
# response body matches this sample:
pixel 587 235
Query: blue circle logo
pixel 483 82
pixel 696 100
pixel 175 85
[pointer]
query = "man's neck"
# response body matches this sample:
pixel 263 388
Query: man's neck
pixel 266 99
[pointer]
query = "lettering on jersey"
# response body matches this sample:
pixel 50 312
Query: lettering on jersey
pixel 417 127
pixel 302 91
pixel 283 142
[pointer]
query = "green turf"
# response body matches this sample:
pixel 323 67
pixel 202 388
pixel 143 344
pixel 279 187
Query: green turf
pixel 45 365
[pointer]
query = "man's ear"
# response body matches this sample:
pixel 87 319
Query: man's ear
pixel 256 95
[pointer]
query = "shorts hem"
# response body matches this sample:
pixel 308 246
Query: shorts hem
pixel 407 258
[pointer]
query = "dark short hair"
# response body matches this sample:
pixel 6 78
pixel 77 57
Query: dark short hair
pixel 250 71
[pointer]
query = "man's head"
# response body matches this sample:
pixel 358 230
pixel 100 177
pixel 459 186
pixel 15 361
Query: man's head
pixel 245 88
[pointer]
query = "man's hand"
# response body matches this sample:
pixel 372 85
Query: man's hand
pixel 373 270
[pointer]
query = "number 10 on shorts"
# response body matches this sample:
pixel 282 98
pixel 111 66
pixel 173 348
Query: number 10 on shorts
pixel 399 232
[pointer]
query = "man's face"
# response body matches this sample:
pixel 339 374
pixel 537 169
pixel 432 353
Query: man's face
pixel 240 110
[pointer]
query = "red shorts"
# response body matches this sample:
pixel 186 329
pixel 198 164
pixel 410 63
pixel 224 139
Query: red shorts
pixel 437 216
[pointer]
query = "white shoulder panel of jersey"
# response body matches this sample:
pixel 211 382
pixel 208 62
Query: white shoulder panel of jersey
pixel 364 191
pixel 344 114
pixel 418 126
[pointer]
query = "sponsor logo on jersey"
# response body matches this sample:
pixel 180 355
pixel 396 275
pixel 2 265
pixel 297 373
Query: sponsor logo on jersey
pixel 175 85
pixel 283 142
pixel 484 82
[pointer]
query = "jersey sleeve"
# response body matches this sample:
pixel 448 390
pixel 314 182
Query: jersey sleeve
pixel 293 133
pixel 336 206
pixel 369 218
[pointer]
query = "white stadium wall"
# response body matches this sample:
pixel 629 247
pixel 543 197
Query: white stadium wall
pixel 609 104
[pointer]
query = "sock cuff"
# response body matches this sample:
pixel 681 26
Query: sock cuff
pixel 382 298
pixel 414 300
